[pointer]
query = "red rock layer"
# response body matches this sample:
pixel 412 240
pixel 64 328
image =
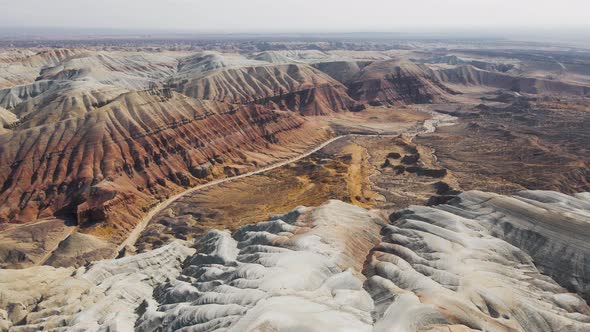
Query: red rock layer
pixel 110 165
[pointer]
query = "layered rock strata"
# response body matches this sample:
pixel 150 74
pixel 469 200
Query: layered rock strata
pixel 453 267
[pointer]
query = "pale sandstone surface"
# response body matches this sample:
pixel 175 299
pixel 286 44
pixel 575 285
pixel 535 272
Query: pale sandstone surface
pixel 335 267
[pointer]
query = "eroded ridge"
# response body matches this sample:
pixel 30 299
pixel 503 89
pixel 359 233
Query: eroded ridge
pixel 482 262
pixel 298 271
pixel 451 266
pixel 103 297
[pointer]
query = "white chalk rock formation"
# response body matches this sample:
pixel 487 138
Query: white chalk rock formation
pixel 448 267
pixel 296 272
pixel 104 297
pixel 553 228
pixel 483 262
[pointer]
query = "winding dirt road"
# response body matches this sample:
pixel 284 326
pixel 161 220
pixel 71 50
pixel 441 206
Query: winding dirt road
pixel 134 235
pixel 428 126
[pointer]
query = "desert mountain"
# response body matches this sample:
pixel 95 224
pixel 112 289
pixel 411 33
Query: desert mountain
pixel 92 139
pixel 296 87
pixel 119 158
pixel 397 82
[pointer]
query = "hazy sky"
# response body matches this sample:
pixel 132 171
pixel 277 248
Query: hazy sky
pixel 292 15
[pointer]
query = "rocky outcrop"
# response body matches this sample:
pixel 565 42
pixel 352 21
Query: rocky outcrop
pixel 97 138
pixel 396 82
pixel 299 270
pixel 404 82
pixel 336 267
pixel 100 137
pixel 80 249
pixel 273 57
pixel 13 96
pixel 321 100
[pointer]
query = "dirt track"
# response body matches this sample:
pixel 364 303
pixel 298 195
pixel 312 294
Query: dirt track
pixel 428 127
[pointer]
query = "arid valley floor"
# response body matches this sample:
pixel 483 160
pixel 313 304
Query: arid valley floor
pixel 289 185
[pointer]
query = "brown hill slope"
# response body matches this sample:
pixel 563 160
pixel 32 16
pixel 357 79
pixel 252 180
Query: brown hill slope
pixel 120 158
pixel 397 82
pixel 297 87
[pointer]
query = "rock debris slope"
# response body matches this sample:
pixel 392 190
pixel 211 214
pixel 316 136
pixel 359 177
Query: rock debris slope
pixel 443 268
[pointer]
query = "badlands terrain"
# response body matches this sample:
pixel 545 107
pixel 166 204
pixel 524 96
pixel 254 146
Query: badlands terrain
pixel 288 185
